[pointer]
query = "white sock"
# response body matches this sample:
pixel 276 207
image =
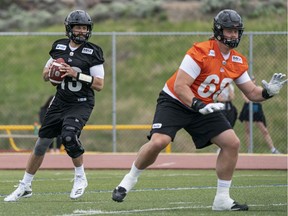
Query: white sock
pixel 134 171
pixel 79 171
pixel 27 178
pixel 130 179
pixel 223 187
pixel 273 149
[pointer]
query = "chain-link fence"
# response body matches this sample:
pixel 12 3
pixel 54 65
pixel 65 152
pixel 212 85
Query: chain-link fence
pixel 137 66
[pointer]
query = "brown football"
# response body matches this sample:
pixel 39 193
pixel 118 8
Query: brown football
pixel 54 73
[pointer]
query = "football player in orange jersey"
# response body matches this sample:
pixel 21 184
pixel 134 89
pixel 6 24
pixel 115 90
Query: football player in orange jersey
pixel 188 101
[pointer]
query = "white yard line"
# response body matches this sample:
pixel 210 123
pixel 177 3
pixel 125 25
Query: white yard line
pixel 79 212
pixel 160 189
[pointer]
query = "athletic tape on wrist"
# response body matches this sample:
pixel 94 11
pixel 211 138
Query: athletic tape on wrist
pixel 85 78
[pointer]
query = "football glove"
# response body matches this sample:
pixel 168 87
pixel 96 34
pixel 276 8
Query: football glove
pixel 273 87
pixel 212 107
pixel 199 106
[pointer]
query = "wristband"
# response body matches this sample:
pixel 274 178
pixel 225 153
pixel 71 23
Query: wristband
pixel 265 94
pixel 197 104
pixel 85 78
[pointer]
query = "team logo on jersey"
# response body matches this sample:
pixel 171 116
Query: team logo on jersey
pixel 61 47
pixel 156 125
pixel 87 51
pixel 237 59
pixel 211 53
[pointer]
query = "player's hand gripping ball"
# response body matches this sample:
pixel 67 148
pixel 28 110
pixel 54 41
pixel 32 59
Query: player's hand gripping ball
pixel 55 73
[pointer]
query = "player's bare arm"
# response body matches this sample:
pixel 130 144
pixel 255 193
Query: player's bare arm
pixel 251 91
pixel 258 94
pixel 45 74
pixel 46 70
pixel 97 84
pixel 182 87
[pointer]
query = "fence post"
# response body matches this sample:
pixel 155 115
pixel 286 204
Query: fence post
pixel 251 146
pixel 114 91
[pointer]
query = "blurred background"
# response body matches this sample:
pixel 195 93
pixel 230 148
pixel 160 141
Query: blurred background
pixel 144 42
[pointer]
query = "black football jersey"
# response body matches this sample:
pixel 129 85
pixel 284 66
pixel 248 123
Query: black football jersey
pixel 84 57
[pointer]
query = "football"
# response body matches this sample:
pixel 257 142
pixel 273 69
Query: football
pixel 55 73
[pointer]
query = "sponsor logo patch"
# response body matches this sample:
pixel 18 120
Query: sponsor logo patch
pixel 61 47
pixel 156 125
pixel 211 53
pixel 237 59
pixel 87 51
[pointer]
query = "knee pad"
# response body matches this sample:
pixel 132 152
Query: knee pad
pixel 41 146
pixel 71 142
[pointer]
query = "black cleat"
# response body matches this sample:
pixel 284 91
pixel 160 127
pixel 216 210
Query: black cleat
pixel 119 194
pixel 239 207
pixel 227 204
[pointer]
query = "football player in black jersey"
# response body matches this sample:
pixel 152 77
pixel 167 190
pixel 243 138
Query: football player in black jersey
pixel 73 103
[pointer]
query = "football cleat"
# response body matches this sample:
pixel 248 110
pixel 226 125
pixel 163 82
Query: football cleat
pixel 80 183
pixel 239 207
pixel 227 204
pixel 119 194
pixel 23 191
pixel 127 183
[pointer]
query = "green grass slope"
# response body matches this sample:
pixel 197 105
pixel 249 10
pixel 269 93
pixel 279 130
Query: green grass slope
pixel 143 63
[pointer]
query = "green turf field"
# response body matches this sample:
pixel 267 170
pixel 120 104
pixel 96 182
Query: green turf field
pixel 158 192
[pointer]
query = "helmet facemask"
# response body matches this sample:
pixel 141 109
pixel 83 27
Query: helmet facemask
pixel 78 17
pixel 228 19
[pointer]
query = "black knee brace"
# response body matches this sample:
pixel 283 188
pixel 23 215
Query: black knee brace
pixel 71 142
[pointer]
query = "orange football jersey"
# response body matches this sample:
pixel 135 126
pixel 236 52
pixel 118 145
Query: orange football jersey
pixel 216 72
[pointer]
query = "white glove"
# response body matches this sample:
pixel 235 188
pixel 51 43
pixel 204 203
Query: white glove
pixel 210 108
pixel 275 84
